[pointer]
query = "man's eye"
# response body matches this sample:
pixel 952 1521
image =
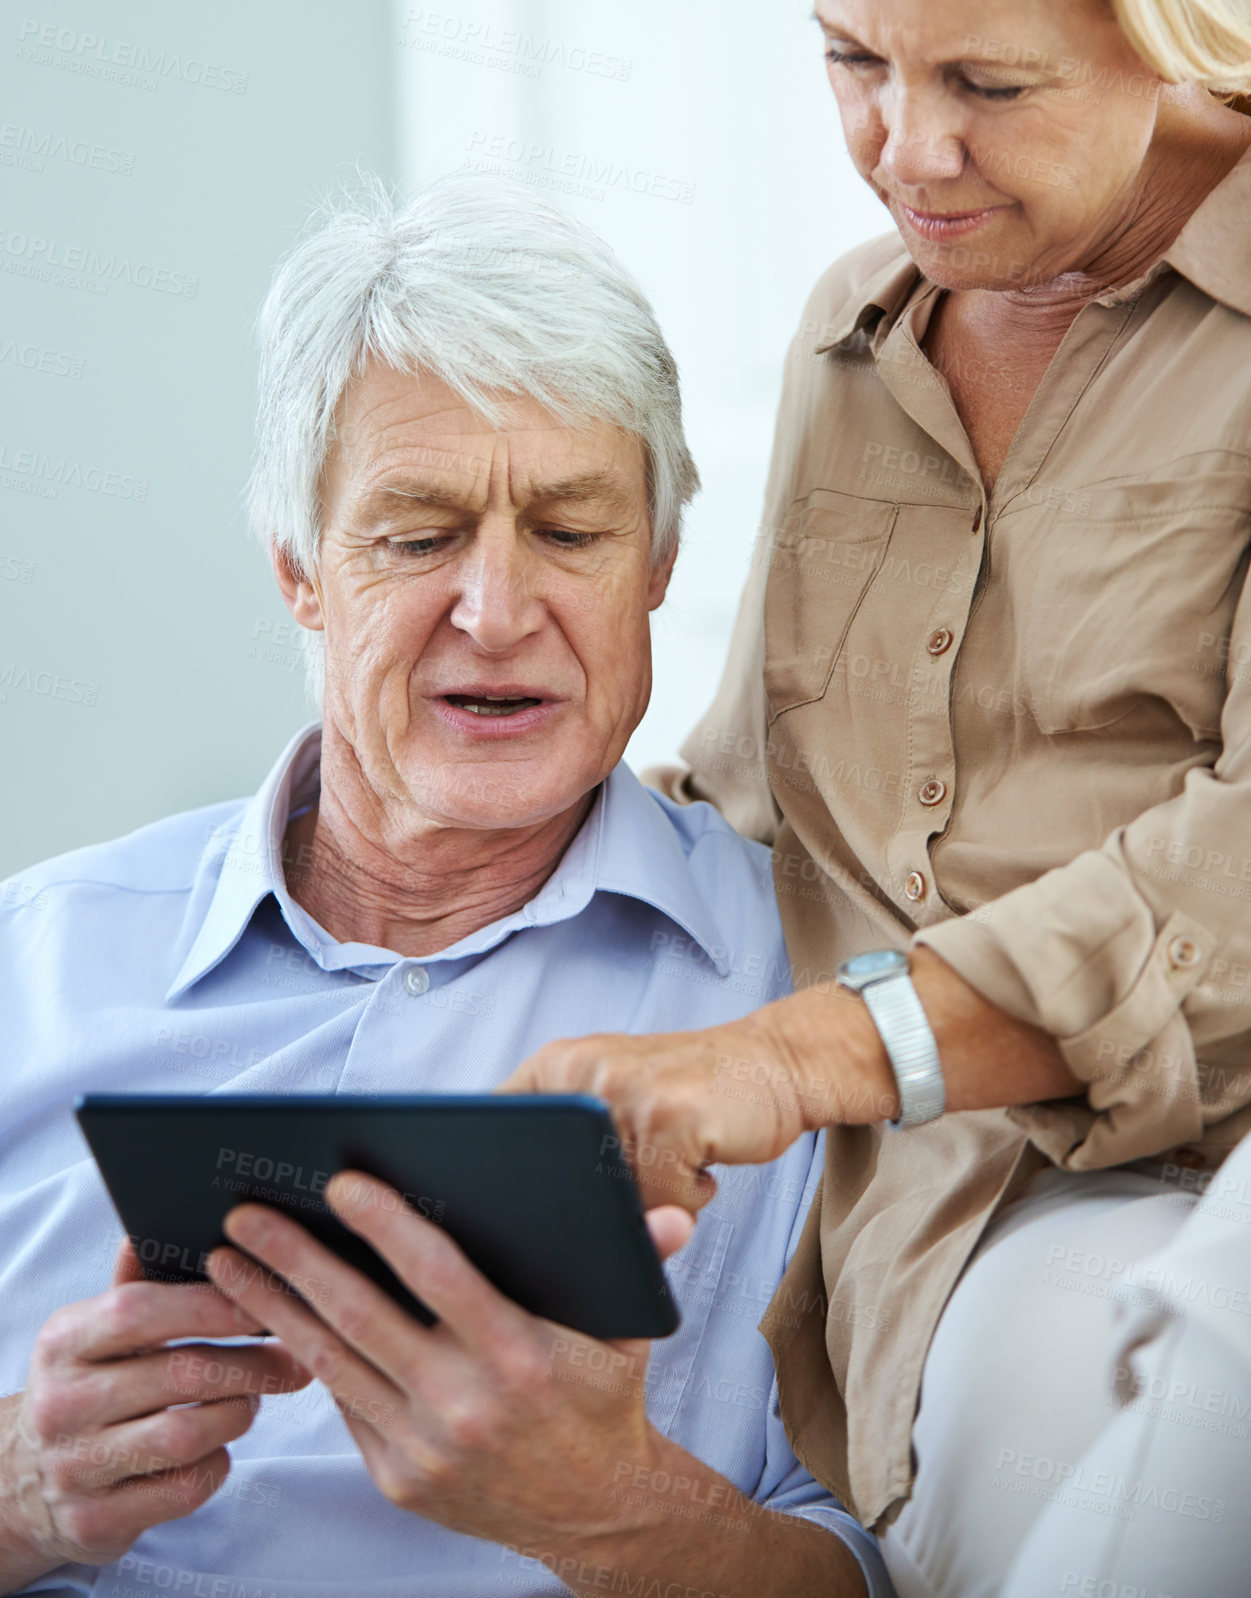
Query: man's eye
pixel 562 537
pixel 416 546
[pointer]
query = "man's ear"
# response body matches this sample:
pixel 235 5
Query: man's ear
pixel 301 596
pixel 658 580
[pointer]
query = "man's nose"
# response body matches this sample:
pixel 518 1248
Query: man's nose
pixel 923 142
pixel 497 602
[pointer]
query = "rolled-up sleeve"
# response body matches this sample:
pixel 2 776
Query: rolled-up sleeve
pixel 1136 957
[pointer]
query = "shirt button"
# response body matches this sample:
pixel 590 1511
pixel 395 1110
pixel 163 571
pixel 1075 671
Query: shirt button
pixel 939 642
pixel 932 792
pixel 914 887
pixel 416 980
pixel 1183 953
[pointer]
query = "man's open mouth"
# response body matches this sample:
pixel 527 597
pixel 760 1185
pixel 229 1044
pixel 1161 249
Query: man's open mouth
pixel 490 704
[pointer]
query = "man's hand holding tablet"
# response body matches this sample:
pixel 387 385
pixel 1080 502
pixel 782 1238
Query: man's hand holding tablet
pixel 472 1421
pixel 117 1431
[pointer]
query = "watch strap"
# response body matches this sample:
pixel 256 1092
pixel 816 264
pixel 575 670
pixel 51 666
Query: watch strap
pixel 909 1039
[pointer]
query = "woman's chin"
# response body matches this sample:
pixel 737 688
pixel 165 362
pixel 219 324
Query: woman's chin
pixel 984 260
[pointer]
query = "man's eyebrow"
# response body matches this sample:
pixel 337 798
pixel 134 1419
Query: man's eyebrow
pixel 601 485
pixel 393 494
pixel 385 496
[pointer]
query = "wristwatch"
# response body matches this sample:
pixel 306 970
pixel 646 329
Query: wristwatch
pixel 882 980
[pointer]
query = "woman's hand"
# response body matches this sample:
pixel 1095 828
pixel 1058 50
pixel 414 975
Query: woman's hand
pixel 734 1094
pixel 740 1094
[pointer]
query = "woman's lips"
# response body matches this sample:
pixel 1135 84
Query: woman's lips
pixel 942 225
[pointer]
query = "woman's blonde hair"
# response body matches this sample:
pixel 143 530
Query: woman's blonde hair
pixel 1192 41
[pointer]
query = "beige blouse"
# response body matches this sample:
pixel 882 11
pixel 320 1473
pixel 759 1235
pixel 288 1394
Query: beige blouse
pixel 1017 729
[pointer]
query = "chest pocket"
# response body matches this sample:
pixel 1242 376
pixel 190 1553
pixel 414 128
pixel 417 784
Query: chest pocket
pixel 1126 592
pixel 822 562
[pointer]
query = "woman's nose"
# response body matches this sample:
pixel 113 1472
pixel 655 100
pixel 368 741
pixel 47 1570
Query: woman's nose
pixel 922 142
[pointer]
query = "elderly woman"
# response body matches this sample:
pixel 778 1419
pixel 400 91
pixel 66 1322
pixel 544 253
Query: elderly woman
pixel 988 698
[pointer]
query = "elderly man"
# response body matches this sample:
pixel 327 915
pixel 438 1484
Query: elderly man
pixel 471 473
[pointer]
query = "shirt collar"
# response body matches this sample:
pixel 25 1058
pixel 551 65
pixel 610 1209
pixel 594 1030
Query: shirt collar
pixel 1213 248
pixel 242 863
pixel 625 846
pixel 880 299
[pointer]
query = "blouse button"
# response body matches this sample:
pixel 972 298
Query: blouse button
pixel 1183 953
pixel 914 887
pixel 932 792
pixel 416 980
pixel 940 642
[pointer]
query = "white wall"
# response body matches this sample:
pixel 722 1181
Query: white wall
pixel 144 665
pixel 723 107
pixel 132 602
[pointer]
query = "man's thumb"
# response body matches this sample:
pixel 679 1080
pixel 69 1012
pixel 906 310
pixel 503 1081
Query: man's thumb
pixel 126 1268
pixel 671 1228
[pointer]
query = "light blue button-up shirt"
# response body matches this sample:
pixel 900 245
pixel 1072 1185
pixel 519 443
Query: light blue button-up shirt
pixel 176 960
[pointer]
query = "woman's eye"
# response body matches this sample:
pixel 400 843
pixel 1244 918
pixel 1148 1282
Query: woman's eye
pixel 992 85
pixel 849 58
pixel 989 91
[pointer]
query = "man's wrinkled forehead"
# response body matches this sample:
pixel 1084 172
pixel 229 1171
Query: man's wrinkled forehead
pixel 403 437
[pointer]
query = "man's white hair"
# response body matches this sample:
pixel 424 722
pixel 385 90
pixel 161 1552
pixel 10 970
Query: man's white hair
pixel 488 288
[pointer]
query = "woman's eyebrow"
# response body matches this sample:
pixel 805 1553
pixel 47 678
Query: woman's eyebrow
pixel 831 29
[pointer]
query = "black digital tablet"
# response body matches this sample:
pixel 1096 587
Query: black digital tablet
pixel 533 1188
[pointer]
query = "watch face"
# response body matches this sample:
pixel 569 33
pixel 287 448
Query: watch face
pixel 877 963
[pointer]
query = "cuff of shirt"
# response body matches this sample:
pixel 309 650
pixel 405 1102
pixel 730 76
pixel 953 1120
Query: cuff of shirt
pixel 1078 953
pixel 862 1543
